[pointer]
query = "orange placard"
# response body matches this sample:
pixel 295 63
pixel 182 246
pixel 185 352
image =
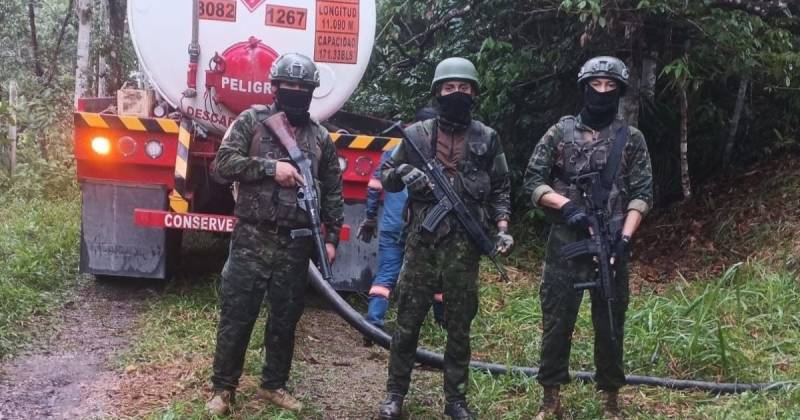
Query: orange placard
pixel 336 37
pixel 221 10
pixel 286 17
pixel 337 17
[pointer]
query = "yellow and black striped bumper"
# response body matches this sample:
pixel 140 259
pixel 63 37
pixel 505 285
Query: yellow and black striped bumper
pixel 177 198
pixel 373 143
pixel 126 122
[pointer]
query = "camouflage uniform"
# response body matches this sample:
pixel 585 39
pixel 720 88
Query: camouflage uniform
pixel 564 149
pixel 263 258
pixel 444 261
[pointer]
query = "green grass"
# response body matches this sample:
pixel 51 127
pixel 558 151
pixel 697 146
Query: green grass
pixel 743 326
pixel 39 254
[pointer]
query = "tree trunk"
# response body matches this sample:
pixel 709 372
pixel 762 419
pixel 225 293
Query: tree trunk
pixel 102 77
pixel 84 13
pixel 629 104
pixel 57 49
pixel 116 25
pixel 102 59
pixel 37 62
pixel 12 127
pixel 737 114
pixel 685 180
pixel 648 79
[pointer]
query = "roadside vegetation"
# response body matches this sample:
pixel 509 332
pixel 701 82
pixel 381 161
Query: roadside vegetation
pixel 39 254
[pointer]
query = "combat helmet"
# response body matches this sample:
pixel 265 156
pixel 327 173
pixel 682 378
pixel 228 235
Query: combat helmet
pixel 604 66
pixel 294 68
pixel 455 68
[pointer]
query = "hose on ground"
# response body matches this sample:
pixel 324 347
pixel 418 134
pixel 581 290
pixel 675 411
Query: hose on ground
pixel 436 360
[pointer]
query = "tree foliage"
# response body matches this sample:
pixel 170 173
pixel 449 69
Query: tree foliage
pixel 43 67
pixel 528 54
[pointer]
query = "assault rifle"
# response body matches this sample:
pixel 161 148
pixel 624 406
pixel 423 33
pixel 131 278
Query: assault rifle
pixel 306 194
pixel 448 201
pixel 598 245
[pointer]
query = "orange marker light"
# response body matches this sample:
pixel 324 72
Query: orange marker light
pixel 101 145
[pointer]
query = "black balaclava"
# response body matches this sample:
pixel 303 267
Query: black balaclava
pixel 295 104
pixel 600 108
pixel 454 111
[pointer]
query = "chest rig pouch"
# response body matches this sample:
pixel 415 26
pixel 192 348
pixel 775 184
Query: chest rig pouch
pixel 577 156
pixel 472 181
pixel 269 202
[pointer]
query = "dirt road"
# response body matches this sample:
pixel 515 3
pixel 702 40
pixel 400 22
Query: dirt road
pixel 69 371
pixel 73 373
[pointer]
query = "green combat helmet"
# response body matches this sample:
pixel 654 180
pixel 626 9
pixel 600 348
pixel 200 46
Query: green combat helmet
pixel 294 68
pixel 455 68
pixel 603 66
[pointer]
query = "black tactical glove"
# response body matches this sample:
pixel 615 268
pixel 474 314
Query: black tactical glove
pixel 415 179
pixel 503 242
pixel 367 229
pixel 574 216
pixel 622 250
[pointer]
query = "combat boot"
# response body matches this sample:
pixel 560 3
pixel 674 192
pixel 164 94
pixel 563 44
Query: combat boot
pixel 391 407
pixel 551 404
pixel 220 402
pixel 281 398
pixel 459 410
pixel 611 409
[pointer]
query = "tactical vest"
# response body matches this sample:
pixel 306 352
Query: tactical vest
pixel 472 181
pixel 577 156
pixel 265 201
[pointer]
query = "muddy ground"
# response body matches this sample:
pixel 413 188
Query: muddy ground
pixel 69 371
pixel 73 372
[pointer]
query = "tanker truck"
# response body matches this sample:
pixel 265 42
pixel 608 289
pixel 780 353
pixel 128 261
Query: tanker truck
pixel 144 157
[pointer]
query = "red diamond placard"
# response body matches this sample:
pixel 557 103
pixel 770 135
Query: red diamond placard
pixel 252 5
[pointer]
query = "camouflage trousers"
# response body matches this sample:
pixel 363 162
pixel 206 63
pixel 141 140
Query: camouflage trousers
pixel 261 261
pixel 450 268
pixel 560 303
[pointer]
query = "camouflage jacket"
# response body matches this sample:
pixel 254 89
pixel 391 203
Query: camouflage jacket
pixel 558 152
pixel 482 180
pixel 260 198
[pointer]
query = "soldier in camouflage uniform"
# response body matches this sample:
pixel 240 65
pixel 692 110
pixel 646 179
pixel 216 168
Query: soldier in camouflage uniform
pixel 577 145
pixel 263 258
pixel 445 260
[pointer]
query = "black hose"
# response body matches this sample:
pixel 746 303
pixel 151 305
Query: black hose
pixel 436 360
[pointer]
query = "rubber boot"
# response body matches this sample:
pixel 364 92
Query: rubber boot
pixel 391 407
pixel 551 404
pixel 611 409
pixel 459 410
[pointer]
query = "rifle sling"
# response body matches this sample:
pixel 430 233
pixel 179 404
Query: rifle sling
pixel 417 135
pixel 261 131
pixel 611 170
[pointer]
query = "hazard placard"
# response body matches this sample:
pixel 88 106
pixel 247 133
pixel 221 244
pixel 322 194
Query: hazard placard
pixel 336 35
pixel 222 10
pixel 286 17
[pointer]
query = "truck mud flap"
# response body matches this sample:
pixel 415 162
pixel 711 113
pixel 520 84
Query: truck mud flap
pixel 110 242
pixel 356 262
